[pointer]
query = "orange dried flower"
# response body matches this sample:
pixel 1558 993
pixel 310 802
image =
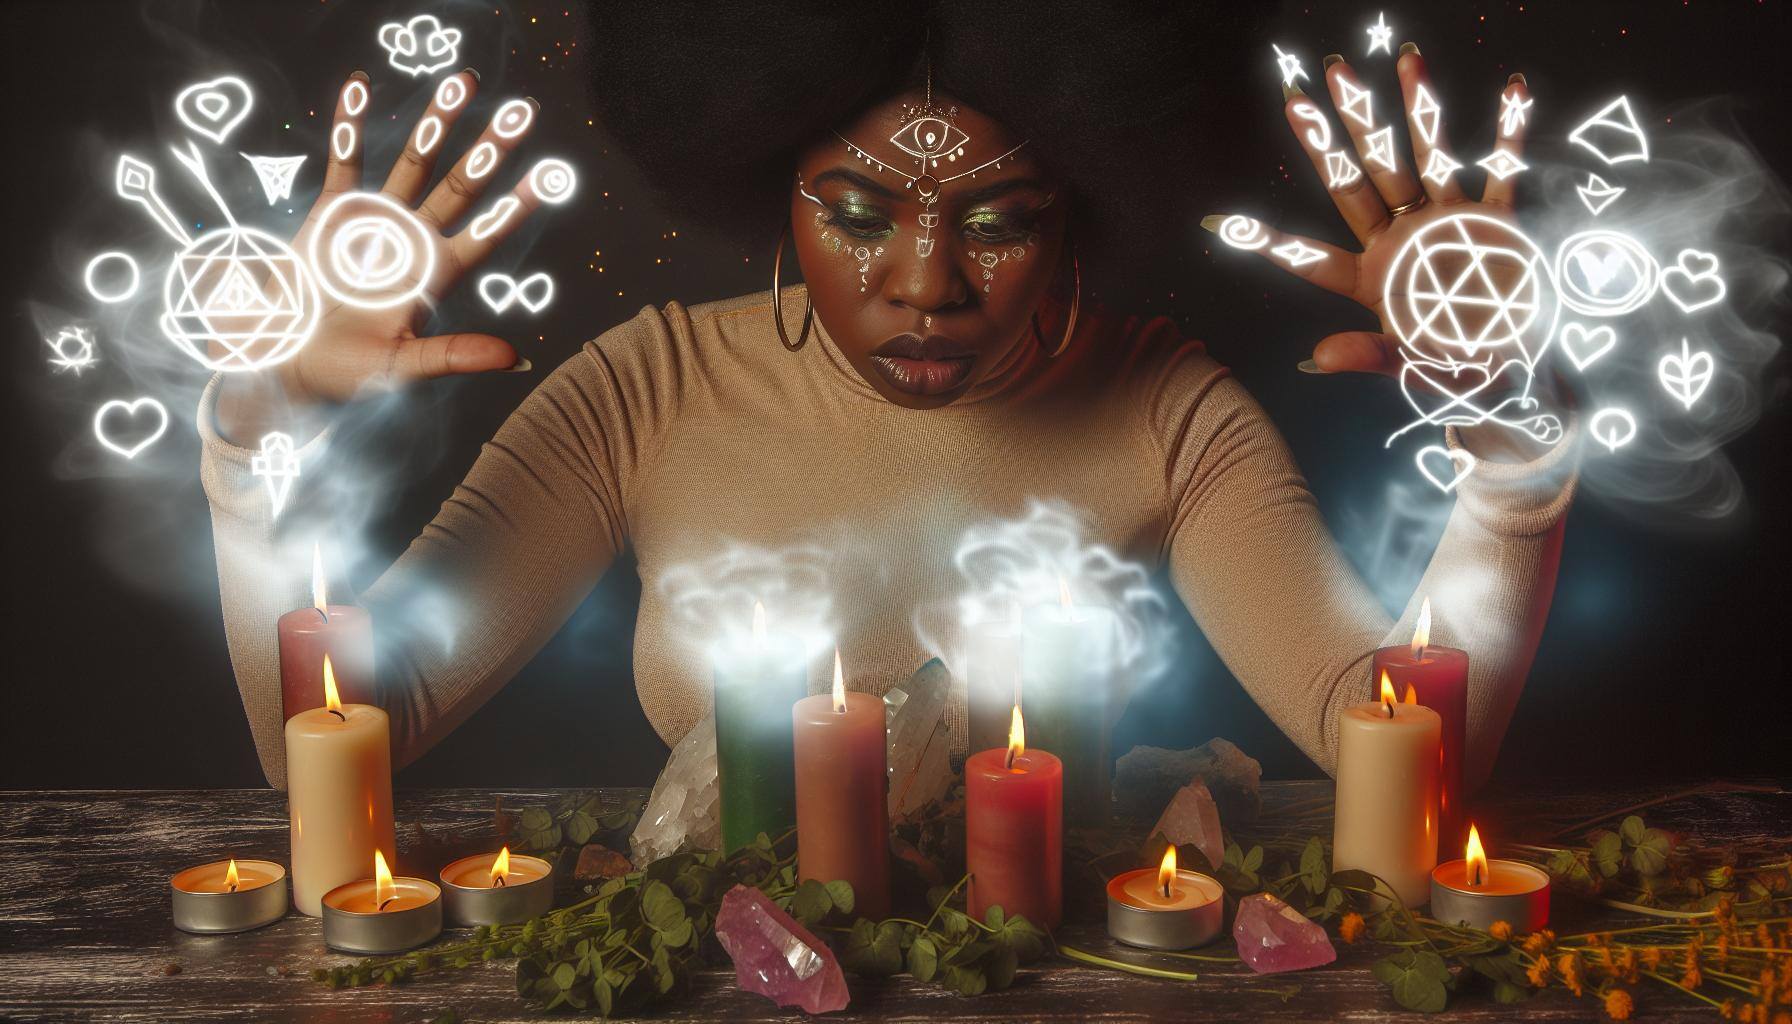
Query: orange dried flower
pixel 1618 1005
pixel 1651 957
pixel 1569 967
pixel 1538 975
pixel 1537 943
pixel 1693 977
pixel 1501 931
pixel 1351 927
pixel 1782 1017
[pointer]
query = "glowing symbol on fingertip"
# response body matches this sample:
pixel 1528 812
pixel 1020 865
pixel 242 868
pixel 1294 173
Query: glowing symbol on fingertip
pixel 533 293
pixel 1288 64
pixel 1340 170
pixel 451 93
pixel 1426 114
pixel 481 161
pixel 95 270
pixel 1605 273
pixel 136 181
pixel 1613 134
pixel 494 219
pixel 1381 147
pixel 1439 165
pixel 1453 465
pixel 276 174
pixel 1692 282
pixel 1584 346
pixel 379 254
pixel 73 348
pixel 429 132
pixel 1612 427
pixel 238 299
pixel 1686 374
pixel 420 46
pixel 1502 164
pixel 354 97
pixel 1381 37
pixel 1320 135
pixel 1297 253
pixel 1596 194
pixel 1514 112
pixel 130 410
pixel 553 180
pixel 342 140
pixel 512 119
pixel 214 109
pixel 1357 103
pixel 278 467
pixel 1241 232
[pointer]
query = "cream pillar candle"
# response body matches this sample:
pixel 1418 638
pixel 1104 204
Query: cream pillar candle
pixel 1387 805
pixel 339 793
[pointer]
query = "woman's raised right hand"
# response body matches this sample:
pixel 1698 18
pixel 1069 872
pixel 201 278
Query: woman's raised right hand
pixel 354 348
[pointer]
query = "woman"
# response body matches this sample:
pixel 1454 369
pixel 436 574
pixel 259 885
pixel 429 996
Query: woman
pixel 940 368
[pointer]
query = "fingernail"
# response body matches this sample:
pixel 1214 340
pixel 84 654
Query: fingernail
pixel 471 71
pixel 520 366
pixel 1518 79
pixel 1291 91
pixel 1333 58
pixel 533 102
pixel 1309 366
pixel 358 73
pixel 1212 222
pixel 1412 48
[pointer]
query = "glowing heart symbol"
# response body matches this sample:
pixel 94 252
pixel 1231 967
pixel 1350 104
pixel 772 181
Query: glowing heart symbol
pixel 214 109
pixel 1692 282
pixel 1584 347
pixel 1453 466
pixel 1686 374
pixel 129 410
pixel 533 293
pixel 1448 395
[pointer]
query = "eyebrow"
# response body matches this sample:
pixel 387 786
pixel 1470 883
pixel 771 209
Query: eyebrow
pixel 853 178
pixel 984 194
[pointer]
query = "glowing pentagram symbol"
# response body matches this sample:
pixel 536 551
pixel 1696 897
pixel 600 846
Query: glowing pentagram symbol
pixel 119 438
pixel 369 251
pixel 1381 36
pixel 278 467
pixel 420 46
pixel 73 348
pixel 238 299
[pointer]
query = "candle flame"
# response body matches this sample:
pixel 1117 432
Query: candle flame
pixel 1387 692
pixel 1421 631
pixel 320 599
pixel 1412 695
pixel 1166 871
pixel 758 623
pixel 1017 738
pixel 231 881
pixel 839 685
pixel 501 866
pixel 1064 593
pixel 1476 857
pixel 384 891
pixel 332 699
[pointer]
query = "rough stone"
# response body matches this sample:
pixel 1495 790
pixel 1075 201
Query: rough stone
pixel 1147 777
pixel 1274 937
pixel 920 742
pixel 777 957
pixel 599 861
pixel 682 810
pixel 1192 819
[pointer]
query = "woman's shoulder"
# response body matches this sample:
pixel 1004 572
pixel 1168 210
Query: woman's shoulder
pixel 1151 358
pixel 667 338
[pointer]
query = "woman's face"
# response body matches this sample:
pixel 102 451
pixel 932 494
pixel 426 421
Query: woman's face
pixel 925 298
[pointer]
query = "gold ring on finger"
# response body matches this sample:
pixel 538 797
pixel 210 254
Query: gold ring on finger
pixel 1395 211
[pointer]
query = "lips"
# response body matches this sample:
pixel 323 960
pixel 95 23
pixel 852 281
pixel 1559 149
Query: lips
pixel 918 366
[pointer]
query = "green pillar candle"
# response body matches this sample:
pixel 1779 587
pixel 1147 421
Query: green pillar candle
pixel 1068 659
pixel 758 680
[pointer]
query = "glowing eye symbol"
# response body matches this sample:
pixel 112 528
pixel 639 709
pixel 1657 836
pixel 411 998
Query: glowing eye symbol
pixel 929 138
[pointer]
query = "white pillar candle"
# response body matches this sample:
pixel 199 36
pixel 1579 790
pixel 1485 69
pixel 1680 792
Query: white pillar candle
pixel 1387 806
pixel 991 681
pixel 339 793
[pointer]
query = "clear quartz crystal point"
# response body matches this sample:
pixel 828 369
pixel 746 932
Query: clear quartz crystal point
pixel 682 810
pixel 920 742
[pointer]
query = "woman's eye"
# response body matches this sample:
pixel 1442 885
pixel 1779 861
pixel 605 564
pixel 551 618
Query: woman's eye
pixel 861 223
pixel 993 228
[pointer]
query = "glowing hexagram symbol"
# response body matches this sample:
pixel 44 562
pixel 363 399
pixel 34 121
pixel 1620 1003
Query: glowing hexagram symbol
pixel 239 299
pixel 278 467
pixel 370 251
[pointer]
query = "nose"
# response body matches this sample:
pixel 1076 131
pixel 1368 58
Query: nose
pixel 926 284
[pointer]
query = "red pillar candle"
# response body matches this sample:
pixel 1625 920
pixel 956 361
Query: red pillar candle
pixel 1438 679
pixel 842 827
pixel 342 631
pixel 1014 831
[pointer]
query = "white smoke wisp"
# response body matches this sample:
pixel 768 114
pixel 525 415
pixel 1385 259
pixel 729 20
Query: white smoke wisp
pixel 712 598
pixel 1010 565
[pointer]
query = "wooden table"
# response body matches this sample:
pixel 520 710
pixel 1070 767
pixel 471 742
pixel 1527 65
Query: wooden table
pixel 85 932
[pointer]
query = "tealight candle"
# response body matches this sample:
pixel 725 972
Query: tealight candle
pixel 497 888
pixel 1477 892
pixel 1165 908
pixel 382 914
pixel 228 896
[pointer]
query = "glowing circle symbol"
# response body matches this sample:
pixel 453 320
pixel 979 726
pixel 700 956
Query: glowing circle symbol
pixel 377 255
pixel 1605 273
pixel 1242 232
pixel 512 119
pixel 553 180
pixel 1470 288
pixel 451 93
pixel 98 274
pixel 130 437
pixel 239 299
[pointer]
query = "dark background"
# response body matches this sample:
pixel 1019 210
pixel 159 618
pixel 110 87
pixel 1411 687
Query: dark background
pixel 1665 649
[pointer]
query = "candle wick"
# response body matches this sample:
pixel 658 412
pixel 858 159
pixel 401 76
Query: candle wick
pixel 498 882
pixel 232 887
pixel 1008 760
pixel 1167 894
pixel 1390 706
pixel 1477 876
pixel 338 714
pixel 325 612
pixel 385 901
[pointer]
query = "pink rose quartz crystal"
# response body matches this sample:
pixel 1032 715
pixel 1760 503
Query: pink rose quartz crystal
pixel 1274 937
pixel 776 957
pixel 1192 819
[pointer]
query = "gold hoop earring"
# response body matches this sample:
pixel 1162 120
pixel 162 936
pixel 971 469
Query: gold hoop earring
pixel 777 307
pixel 1076 302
